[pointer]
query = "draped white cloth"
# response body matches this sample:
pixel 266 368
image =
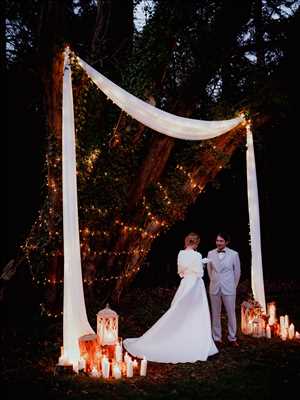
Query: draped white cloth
pixel 257 279
pixel 183 333
pixel 75 322
pixel 75 319
pixel 156 119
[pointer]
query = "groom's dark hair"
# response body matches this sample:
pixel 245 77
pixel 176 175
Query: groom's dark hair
pixel 224 235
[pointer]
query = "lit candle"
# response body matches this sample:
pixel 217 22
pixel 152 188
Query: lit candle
pixel 282 324
pixel 297 335
pixel 109 336
pixel 268 331
pixel 116 371
pixel 272 313
pixel 126 357
pixel 129 368
pixel 98 356
pixel 81 364
pixel 118 352
pixel 284 335
pixel 291 331
pixel 105 367
pixel 286 321
pixel 62 359
pixel 143 370
pixel 94 373
pixel 134 363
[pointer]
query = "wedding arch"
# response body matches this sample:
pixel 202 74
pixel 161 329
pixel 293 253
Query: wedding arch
pixel 75 321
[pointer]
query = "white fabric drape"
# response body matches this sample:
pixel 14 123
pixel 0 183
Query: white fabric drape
pixel 191 129
pixel 156 119
pixel 75 322
pixel 257 280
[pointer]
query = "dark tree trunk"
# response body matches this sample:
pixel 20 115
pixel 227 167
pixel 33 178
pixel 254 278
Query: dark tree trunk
pixel 227 144
pixel 53 14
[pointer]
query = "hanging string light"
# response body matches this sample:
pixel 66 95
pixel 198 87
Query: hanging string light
pixel 192 182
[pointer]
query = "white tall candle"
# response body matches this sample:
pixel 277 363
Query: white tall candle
pixel 81 364
pixel 286 321
pixel 129 368
pixel 143 370
pixel 268 331
pixel 272 313
pixel 284 334
pixel 116 371
pixel 119 352
pixel 105 367
pixel 94 373
pixel 126 357
pixel 291 331
pixel 282 327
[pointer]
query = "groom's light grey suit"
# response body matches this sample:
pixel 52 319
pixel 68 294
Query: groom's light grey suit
pixel 224 273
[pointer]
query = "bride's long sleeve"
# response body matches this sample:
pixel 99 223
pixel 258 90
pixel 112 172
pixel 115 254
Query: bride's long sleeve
pixel 197 266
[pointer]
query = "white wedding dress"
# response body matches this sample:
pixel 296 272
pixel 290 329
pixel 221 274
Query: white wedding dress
pixel 183 333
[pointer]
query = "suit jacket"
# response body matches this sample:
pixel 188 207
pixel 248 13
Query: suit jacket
pixel 224 274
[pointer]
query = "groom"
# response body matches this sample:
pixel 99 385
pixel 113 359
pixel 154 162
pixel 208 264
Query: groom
pixel 224 274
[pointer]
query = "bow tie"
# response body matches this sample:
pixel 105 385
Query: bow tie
pixel 221 251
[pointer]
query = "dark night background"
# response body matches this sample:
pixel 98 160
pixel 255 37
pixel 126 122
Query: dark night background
pixel 219 208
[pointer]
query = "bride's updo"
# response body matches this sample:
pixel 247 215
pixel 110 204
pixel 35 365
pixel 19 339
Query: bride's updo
pixel 192 239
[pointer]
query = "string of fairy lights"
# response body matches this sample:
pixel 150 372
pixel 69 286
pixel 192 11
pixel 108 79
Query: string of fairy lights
pixel 86 232
pixel 154 225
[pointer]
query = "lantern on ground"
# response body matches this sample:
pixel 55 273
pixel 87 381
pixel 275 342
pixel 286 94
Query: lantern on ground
pixel 107 327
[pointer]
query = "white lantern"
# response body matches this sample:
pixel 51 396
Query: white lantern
pixel 107 326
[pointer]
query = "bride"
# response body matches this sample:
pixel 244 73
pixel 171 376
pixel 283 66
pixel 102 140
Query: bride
pixel 183 333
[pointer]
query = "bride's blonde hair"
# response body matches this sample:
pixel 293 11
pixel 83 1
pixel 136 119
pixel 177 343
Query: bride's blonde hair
pixel 192 239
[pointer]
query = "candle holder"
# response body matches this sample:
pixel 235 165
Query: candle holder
pixel 253 320
pixel 107 328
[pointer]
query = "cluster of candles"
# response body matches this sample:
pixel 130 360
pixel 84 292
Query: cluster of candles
pixel 258 324
pixel 109 367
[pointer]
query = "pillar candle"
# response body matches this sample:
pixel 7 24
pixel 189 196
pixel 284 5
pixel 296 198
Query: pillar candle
pixel 105 367
pixel 61 360
pixel 143 370
pixel 126 357
pixel 286 321
pixel 291 331
pixel 129 368
pixel 281 324
pixel 94 373
pixel 268 331
pixel 272 313
pixel 284 334
pixel 297 335
pixel 81 364
pixel 118 352
pixel 116 371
